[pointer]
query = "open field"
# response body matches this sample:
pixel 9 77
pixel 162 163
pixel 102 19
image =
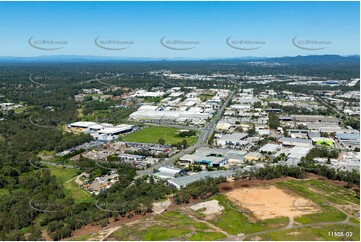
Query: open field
pixel 171 225
pixel 62 174
pixel 229 215
pixel 315 233
pixel 234 221
pixel 270 202
pixel 328 212
pixel 153 134
pixel 66 177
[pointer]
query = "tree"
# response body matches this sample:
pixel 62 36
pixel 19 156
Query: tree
pixel 161 141
pixel 273 120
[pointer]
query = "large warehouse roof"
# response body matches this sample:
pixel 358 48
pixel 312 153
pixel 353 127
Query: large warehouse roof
pixel 186 180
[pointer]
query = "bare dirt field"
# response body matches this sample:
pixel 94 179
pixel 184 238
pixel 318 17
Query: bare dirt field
pixel 211 208
pixel 266 202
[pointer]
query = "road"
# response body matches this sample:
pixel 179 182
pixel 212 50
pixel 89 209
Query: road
pixel 202 140
pixel 324 102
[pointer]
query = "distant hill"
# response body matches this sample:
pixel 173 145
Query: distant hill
pixel 317 59
pixel 292 60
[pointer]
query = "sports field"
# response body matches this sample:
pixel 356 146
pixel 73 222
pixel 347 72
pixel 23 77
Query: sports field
pixel 153 134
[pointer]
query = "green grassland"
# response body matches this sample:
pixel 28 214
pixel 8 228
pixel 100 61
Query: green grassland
pixel 234 222
pixel 64 175
pixel 315 234
pixel 153 134
pixel 172 225
pixel 308 189
pixel 184 224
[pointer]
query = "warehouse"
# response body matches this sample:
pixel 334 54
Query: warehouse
pixel 295 142
pixel 270 148
pixel 214 157
pixel 168 172
pixel 295 154
pixel 82 125
pixel 349 141
pixel 234 140
pixel 184 181
pixel 315 118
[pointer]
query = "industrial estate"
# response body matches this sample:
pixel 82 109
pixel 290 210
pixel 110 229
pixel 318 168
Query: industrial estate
pixel 193 157
pixel 152 138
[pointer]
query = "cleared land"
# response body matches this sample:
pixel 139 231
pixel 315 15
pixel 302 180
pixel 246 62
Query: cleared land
pixel 209 208
pixel 337 211
pixel 271 202
pixel 153 134
pixel 172 225
pixel 71 188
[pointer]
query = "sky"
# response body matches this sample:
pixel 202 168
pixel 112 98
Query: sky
pixel 135 29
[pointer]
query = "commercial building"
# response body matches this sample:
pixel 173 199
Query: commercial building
pixel 315 118
pixel 349 141
pixel 214 157
pixel 184 181
pixel 295 142
pixel 235 140
pixel 168 172
pixel 295 155
pixel 270 148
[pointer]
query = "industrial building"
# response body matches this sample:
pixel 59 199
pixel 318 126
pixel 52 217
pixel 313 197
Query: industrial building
pixel 295 142
pixel 349 141
pixel 232 140
pixel 315 118
pixel 103 131
pixel 184 181
pixel 214 157
pixel 168 172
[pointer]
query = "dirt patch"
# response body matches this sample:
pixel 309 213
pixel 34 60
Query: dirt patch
pixel 242 183
pixel 160 207
pixel 270 202
pixel 210 208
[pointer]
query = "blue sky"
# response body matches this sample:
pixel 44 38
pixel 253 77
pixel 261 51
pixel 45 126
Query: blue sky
pixel 272 24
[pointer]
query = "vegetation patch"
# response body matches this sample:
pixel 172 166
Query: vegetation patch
pixel 154 134
pixel 327 214
pixel 346 232
pixel 233 221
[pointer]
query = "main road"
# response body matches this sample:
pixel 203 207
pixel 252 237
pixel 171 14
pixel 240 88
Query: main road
pixel 202 140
